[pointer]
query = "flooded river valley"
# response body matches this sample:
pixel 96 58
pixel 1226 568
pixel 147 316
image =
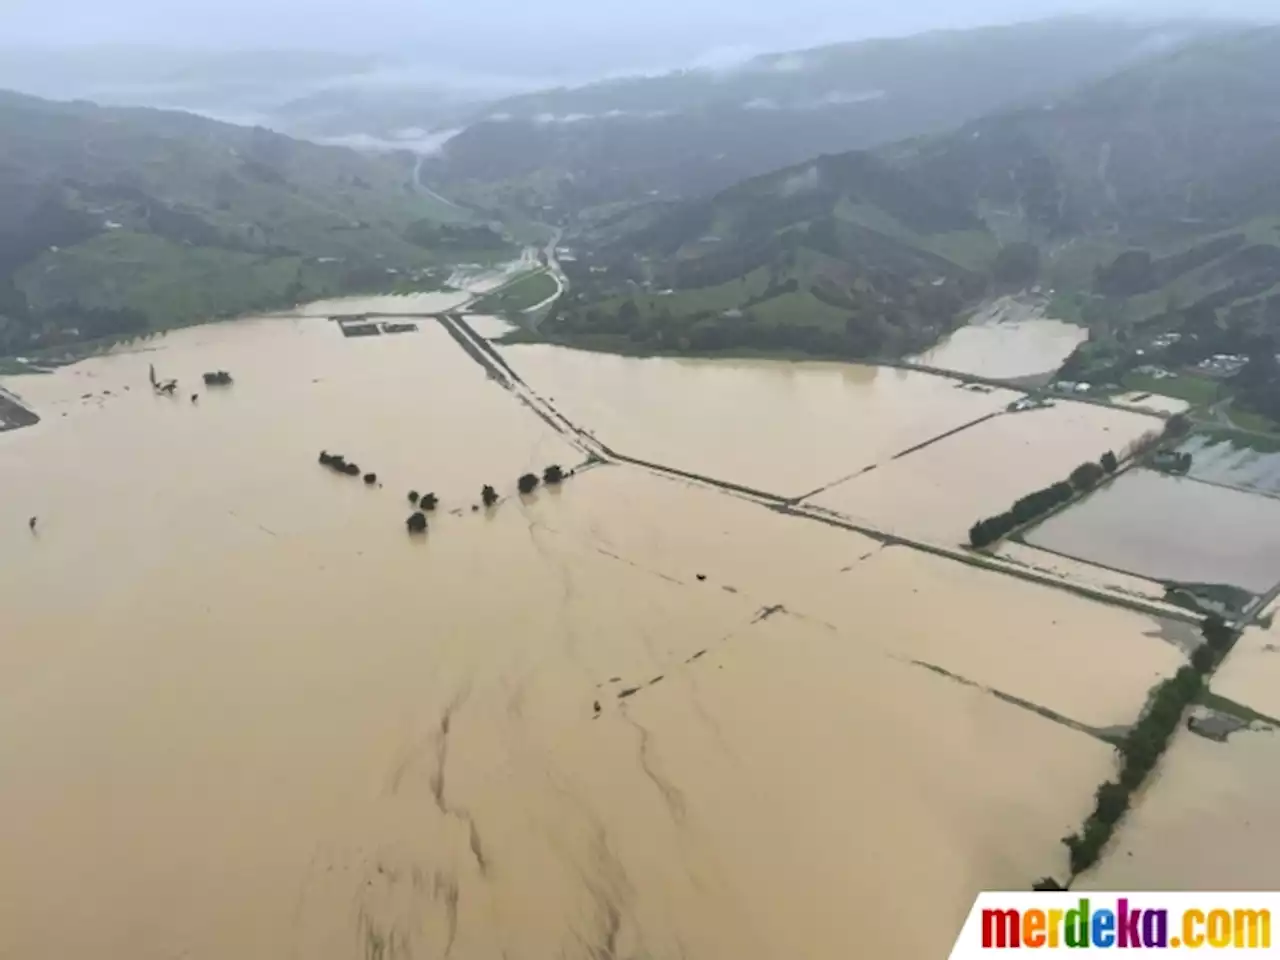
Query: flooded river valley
pixel 246 714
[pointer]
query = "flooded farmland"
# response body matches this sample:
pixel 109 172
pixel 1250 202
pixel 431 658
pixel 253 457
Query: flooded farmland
pixel 1171 528
pixel 1006 340
pixel 784 428
pixel 1207 821
pixel 938 492
pixel 1251 675
pixel 246 714
pixel 1222 461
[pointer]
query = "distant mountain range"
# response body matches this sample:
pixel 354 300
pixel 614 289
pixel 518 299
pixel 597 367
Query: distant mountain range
pixel 693 132
pixel 118 220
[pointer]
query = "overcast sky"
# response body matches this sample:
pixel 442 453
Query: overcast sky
pixel 538 36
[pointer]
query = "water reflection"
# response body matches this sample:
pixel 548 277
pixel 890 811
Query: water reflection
pixel 1172 528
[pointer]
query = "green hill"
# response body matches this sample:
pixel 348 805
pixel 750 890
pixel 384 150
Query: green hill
pixel 1150 201
pixel 841 256
pixel 116 221
pixel 1153 195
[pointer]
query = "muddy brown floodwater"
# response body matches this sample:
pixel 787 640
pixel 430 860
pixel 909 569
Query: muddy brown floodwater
pixel 939 492
pixel 1171 528
pixel 781 427
pixel 244 714
pixel 1209 820
pixel 1007 339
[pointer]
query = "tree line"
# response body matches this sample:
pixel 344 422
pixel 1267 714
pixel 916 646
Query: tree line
pixel 1143 745
pixel 1082 479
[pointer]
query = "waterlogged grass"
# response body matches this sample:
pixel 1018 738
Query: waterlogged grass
pixel 1197 391
pixel 1241 439
pixel 1248 420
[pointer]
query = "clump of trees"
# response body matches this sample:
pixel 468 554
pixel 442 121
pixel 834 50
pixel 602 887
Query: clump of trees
pixel 1086 476
pixel 988 531
pixel 338 463
pixel 1179 425
pixel 1083 479
pixel 219 378
pixel 1143 745
pixel 417 522
pixel 553 474
pixel 527 483
pixel 488 496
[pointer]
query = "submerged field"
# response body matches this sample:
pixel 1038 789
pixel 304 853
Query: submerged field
pixel 1172 529
pixel 266 721
pixel 1220 460
pixel 784 428
pixel 1209 820
pixel 938 492
pixel 1006 339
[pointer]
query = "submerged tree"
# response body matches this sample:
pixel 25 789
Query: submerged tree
pixel 371 478
pixel 1086 476
pixel 413 496
pixel 488 495
pixel 1109 462
pixel 428 502
pixel 553 474
pixel 417 522
pixel 527 483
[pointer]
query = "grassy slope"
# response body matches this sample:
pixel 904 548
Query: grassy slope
pixel 210 219
pixel 526 292
pixel 122 268
pixel 1197 391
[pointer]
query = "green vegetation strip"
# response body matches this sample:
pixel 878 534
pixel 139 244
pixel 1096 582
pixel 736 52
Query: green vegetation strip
pixel 519 295
pixel 1084 478
pixel 1142 747
pixel 1196 390
pixel 1036 504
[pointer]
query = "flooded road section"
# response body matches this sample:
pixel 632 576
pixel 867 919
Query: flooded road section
pixel 780 427
pixel 938 492
pixel 1171 528
pixel 1007 339
pixel 244 713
